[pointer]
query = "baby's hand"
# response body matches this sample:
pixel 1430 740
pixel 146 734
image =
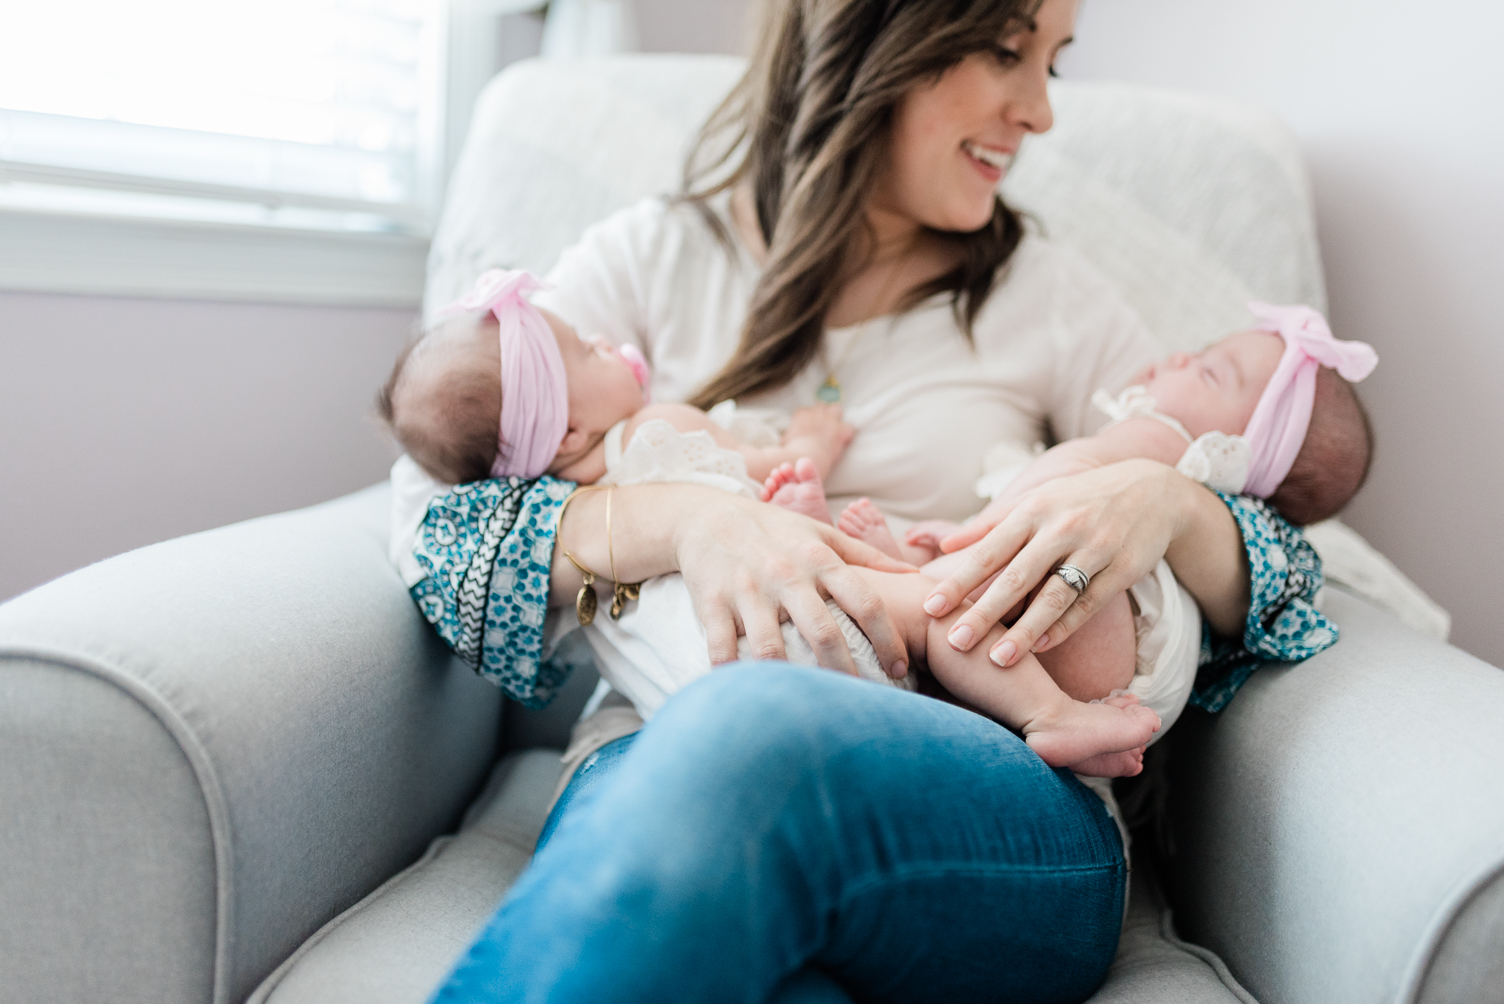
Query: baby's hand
pixel 820 434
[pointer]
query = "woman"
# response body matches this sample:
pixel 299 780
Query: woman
pixel 782 833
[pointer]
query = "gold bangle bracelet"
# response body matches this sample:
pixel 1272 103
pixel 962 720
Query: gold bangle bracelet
pixel 621 592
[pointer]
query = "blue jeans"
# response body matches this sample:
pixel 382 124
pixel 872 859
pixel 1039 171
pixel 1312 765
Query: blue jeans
pixel 787 834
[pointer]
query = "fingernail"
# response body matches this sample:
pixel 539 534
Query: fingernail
pixel 961 636
pixel 1004 653
pixel 935 605
pixel 900 670
pixel 1042 644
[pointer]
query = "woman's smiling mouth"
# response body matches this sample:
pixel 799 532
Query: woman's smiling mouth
pixel 991 161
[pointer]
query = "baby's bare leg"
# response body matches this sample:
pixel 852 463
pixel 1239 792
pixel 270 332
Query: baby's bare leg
pixel 1104 739
pixel 1064 732
pixel 1100 657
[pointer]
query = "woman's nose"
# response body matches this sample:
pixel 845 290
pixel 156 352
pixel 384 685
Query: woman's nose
pixel 1030 107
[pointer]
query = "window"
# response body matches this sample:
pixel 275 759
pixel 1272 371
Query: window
pixel 314 113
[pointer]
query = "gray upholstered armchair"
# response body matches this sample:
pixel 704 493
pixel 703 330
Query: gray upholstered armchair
pixel 240 765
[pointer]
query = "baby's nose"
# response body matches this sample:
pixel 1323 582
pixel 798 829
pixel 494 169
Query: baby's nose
pixel 1179 360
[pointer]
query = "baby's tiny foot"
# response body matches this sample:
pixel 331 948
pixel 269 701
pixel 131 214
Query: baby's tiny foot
pixel 1075 732
pixel 929 533
pixel 866 522
pixel 781 475
pixel 1125 764
pixel 797 487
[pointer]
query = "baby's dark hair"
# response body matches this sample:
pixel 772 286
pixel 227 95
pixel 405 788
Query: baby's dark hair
pixel 445 412
pixel 1333 461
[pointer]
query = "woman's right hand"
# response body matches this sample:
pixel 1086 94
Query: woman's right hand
pixel 746 564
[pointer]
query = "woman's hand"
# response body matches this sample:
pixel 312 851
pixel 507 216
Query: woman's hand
pixel 746 563
pixel 1114 523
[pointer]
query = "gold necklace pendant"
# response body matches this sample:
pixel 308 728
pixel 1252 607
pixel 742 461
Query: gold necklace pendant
pixel 830 390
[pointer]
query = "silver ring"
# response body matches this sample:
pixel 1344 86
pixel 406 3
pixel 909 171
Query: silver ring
pixel 1074 577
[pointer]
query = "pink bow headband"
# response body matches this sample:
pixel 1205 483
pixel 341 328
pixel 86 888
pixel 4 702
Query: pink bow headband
pixel 534 389
pixel 1283 415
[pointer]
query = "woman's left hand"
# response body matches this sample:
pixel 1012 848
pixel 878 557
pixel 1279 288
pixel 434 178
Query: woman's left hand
pixel 1115 523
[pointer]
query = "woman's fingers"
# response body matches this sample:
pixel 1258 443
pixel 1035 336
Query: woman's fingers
pixel 996 551
pixel 813 620
pixel 864 606
pixel 855 552
pixel 1103 587
pixel 720 631
pixel 760 624
pixel 964 537
pixel 1041 618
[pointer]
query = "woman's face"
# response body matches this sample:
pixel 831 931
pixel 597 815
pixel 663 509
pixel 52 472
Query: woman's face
pixel 953 138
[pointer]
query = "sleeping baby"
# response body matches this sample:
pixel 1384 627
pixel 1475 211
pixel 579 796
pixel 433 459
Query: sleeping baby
pixel 1269 412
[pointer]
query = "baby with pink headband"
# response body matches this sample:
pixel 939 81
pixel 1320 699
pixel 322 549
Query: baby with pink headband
pixel 1269 412
pixel 502 389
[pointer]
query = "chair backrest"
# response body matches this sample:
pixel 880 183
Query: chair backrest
pixel 1191 205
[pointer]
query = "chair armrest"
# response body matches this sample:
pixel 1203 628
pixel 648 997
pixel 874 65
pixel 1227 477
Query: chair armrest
pixel 211 746
pixel 1338 830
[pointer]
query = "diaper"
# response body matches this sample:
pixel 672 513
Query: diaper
pixel 1167 629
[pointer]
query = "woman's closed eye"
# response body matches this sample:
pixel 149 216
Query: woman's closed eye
pixel 1006 57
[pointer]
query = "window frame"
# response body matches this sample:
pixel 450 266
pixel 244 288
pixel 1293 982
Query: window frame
pixel 67 245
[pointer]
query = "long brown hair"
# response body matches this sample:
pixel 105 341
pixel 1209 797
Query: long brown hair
pixel 805 127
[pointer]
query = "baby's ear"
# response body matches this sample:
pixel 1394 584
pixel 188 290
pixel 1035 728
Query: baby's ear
pixel 572 445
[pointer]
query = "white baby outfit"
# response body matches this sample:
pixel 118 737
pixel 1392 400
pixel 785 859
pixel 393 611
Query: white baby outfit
pixel 658 645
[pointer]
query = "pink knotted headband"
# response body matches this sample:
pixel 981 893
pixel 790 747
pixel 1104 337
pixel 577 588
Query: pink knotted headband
pixel 534 389
pixel 1283 415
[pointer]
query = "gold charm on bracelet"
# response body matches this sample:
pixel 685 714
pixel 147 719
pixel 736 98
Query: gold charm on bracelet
pixel 621 595
pixel 585 602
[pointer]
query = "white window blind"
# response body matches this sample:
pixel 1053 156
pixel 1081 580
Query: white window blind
pixel 325 108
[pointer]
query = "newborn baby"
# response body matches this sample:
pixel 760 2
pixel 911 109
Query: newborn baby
pixel 567 405
pixel 1268 412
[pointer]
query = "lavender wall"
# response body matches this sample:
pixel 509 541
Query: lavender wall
pixel 128 421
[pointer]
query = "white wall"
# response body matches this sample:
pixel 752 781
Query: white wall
pixel 1400 107
pixel 128 421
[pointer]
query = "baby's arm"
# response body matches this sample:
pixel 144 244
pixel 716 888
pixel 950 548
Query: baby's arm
pixel 1133 438
pixel 817 433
